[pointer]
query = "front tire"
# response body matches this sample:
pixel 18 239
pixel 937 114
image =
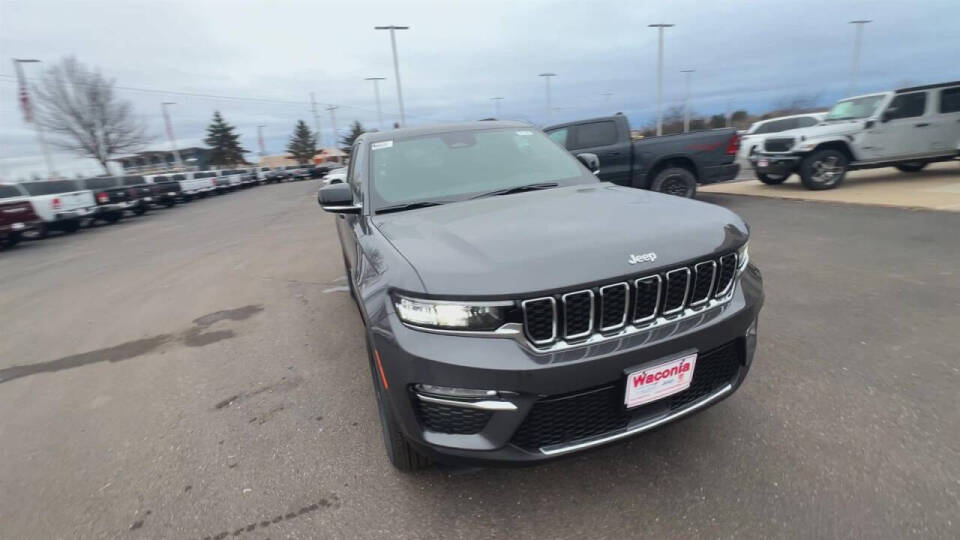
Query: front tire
pixel 675 181
pixel 771 179
pixel 911 166
pixel 823 169
pixel 12 239
pixel 70 227
pixel 140 210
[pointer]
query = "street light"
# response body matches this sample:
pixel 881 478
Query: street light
pixel 660 27
pixel 546 78
pixel 263 151
pixel 855 68
pixel 496 106
pixel 333 123
pixel 396 66
pixel 376 94
pixel 686 99
pixel 28 111
pixel 316 119
pixel 170 136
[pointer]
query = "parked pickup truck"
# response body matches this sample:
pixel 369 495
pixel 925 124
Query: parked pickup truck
pixel 516 309
pixel 111 196
pixel 672 164
pixel 166 190
pixel 906 128
pixel 141 193
pixel 61 204
pixel 16 215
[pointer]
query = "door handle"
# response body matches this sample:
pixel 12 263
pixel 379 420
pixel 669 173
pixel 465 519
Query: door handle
pixel 921 124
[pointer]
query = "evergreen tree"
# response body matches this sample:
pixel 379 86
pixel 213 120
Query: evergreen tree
pixel 356 130
pixel 303 143
pixel 224 142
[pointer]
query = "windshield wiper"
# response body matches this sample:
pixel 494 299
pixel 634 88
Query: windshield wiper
pixel 516 189
pixel 408 206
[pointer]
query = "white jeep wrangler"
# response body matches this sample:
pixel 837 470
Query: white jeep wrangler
pixel 906 129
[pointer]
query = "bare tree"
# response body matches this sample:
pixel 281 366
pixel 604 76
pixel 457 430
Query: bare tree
pixel 79 108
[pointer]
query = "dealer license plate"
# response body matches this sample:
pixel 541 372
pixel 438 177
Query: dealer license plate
pixel 763 163
pixel 659 381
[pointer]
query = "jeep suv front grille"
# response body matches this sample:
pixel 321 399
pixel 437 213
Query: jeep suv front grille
pixel 576 315
pixel 778 144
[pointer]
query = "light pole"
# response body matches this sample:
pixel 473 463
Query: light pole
pixel 28 111
pixel 170 136
pixel 496 106
pixel 855 68
pixel 316 120
pixel 376 95
pixel 396 66
pixel 333 124
pixel 263 151
pixel 606 95
pixel 546 78
pixel 686 99
pixel 660 27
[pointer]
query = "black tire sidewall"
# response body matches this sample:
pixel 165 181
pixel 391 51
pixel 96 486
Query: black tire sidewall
pixel 911 166
pixel 771 180
pixel 673 174
pixel 806 170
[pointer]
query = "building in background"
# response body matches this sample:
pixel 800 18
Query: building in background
pixel 155 161
pixel 279 160
pixel 330 155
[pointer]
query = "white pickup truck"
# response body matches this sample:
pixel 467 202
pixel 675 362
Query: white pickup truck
pixel 60 204
pixel 906 128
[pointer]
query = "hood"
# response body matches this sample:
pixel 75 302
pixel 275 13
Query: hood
pixel 828 129
pixel 563 237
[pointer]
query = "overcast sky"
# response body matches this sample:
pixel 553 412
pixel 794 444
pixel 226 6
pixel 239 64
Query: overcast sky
pixel 456 56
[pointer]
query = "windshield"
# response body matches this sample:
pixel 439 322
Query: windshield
pixel 455 165
pixel 855 108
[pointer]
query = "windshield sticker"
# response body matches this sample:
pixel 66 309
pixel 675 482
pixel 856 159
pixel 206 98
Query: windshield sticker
pixel 524 132
pixel 381 144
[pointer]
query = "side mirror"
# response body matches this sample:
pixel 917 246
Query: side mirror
pixel 888 114
pixel 590 161
pixel 337 198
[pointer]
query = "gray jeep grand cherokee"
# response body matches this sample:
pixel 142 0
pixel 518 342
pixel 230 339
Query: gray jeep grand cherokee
pixel 517 309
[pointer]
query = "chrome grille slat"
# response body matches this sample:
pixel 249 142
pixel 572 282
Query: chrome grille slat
pixel 674 278
pixel 646 316
pixel 570 318
pixel 606 292
pixel 698 270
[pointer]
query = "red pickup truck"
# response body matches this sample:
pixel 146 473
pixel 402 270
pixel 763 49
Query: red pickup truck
pixel 16 215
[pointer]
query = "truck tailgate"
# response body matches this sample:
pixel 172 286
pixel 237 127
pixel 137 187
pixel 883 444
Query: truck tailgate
pixel 74 200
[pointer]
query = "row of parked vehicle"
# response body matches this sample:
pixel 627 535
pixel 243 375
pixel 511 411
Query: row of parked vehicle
pixel 33 209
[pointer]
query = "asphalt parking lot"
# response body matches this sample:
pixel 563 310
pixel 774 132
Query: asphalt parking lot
pixel 201 373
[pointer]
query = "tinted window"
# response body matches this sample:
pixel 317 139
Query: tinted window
pixel 595 134
pixel 49 188
pixel 159 179
pixel 559 136
pixel 766 127
pixel 908 105
pixel 807 121
pixel 776 126
pixel 178 177
pixel 132 180
pixel 99 183
pixel 9 191
pixel 950 100
pixel 457 165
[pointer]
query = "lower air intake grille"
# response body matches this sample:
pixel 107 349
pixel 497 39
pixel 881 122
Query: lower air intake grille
pixel 447 419
pixel 571 417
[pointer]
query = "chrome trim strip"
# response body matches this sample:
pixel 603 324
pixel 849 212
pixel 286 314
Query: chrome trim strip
pixel 526 324
pixel 713 281
pixel 686 291
pixel 565 448
pixel 656 304
pixel 733 278
pixel 479 405
pixel 626 306
pixel 589 330
pixel 495 303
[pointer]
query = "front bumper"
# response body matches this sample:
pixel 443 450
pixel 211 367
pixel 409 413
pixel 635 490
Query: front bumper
pixel 719 173
pixel 775 164
pixel 527 379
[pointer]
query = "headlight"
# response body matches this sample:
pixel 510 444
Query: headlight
pixel 806 146
pixel 451 315
pixel 743 255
